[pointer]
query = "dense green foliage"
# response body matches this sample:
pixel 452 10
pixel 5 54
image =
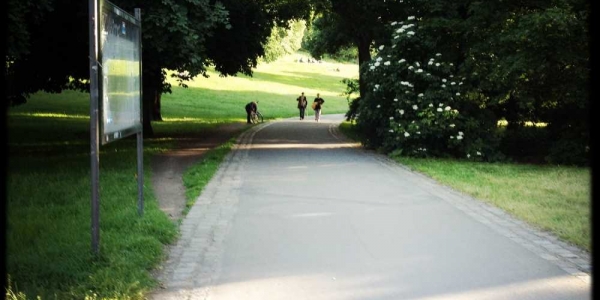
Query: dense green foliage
pixel 284 41
pixel 519 62
pixel 317 41
pixel 532 64
pixel 341 25
pixel 416 102
pixel 40 56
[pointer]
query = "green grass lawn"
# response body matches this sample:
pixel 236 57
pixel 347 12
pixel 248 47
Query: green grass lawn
pixel 276 86
pixel 48 211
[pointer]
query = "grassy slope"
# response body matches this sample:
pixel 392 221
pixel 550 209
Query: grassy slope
pixel 276 86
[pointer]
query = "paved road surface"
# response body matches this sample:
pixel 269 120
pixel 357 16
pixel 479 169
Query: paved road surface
pixel 297 212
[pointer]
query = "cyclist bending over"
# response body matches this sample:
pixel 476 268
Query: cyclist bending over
pixel 251 108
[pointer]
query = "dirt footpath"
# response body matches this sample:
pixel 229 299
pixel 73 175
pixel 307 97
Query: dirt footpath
pixel 168 168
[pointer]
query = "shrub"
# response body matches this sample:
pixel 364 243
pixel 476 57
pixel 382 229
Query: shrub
pixel 416 103
pixel 525 143
pixel 568 145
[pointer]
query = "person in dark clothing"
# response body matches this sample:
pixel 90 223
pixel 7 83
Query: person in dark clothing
pixel 317 107
pixel 251 107
pixel 302 103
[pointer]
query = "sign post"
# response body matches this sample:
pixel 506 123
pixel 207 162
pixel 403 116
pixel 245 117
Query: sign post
pixel 140 137
pixel 115 91
pixel 94 155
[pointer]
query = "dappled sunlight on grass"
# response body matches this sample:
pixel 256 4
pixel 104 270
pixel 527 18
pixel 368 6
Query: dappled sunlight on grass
pixel 326 69
pixel 504 123
pixel 204 123
pixel 54 144
pixel 49 115
pixel 188 120
pixel 282 78
pixel 244 85
pixel 162 139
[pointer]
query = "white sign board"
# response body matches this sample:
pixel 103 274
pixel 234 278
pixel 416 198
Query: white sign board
pixel 120 73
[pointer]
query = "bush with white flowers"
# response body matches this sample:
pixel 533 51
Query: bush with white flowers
pixel 414 99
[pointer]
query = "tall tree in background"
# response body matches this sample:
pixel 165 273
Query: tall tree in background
pixel 283 41
pixel 359 23
pixel 46 43
pixel 532 60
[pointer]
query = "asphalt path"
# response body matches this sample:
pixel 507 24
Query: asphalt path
pixel 296 211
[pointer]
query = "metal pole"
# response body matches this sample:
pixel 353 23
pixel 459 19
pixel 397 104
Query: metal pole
pixel 140 136
pixel 140 161
pixel 94 135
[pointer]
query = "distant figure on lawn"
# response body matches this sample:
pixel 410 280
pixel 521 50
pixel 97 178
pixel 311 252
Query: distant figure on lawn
pixel 251 107
pixel 317 107
pixel 302 103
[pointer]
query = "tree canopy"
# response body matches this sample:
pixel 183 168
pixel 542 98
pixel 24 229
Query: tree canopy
pixel 518 61
pixel 359 23
pixel 49 52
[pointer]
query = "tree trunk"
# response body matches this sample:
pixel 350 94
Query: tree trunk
pixel 156 114
pixel 512 114
pixel 151 91
pixel 148 101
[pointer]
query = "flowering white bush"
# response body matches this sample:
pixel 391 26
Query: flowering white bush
pixel 412 103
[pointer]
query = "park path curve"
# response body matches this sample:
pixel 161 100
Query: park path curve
pixel 298 212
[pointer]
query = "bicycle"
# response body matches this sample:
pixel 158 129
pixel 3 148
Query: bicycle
pixel 256 117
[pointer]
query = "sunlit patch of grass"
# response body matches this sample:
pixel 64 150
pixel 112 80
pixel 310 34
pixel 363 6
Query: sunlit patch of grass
pixel 184 119
pixel 50 115
pixel 275 86
pixel 192 120
pixel 504 123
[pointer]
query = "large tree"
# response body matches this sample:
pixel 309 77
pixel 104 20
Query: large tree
pixel 46 44
pixel 283 41
pixel 522 60
pixel 51 50
pixel 358 23
pixel 533 64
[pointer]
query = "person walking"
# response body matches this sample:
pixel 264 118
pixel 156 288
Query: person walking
pixel 302 103
pixel 317 105
pixel 251 107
